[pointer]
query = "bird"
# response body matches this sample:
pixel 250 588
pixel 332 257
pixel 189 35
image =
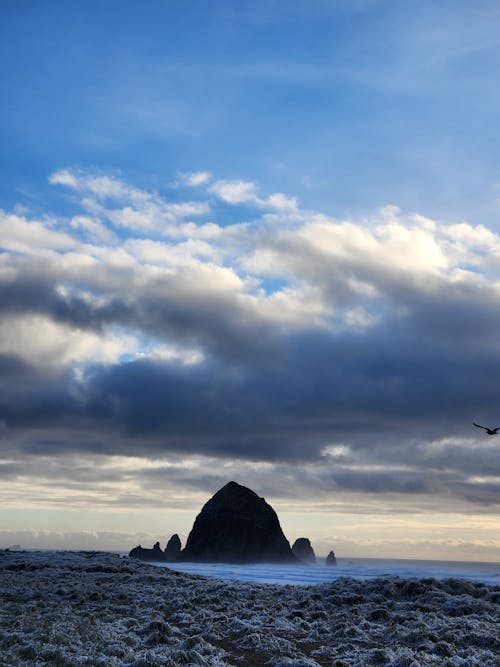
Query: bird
pixel 489 431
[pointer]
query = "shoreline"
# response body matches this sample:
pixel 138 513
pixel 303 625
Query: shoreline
pixel 100 609
pixel 315 573
pixel 321 558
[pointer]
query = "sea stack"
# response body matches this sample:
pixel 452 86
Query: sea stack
pixel 330 559
pixel 303 550
pixel 154 554
pixel 237 526
pixel 173 549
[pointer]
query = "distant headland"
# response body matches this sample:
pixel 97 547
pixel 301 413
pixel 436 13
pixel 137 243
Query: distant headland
pixel 234 526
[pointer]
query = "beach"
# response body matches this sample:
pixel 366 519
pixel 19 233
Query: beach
pixel 102 609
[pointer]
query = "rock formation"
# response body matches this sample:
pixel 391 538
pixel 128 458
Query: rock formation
pixel 303 550
pixel 330 559
pixel 173 549
pixel 155 553
pixel 236 526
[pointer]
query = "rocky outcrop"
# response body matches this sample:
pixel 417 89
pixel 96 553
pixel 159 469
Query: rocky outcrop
pixel 330 559
pixel 154 554
pixel 303 550
pixel 236 526
pixel 173 549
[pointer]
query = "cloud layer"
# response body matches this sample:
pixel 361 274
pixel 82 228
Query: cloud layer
pixel 208 321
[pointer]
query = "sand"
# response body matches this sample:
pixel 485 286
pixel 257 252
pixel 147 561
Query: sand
pixel 92 608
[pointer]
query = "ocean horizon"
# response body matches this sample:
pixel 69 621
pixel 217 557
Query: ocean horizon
pixel 487 572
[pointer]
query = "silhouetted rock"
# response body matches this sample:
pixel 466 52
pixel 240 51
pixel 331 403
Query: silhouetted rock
pixel 303 550
pixel 236 526
pixel 330 559
pixel 173 549
pixel 148 554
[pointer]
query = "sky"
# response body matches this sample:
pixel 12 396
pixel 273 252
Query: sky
pixel 256 241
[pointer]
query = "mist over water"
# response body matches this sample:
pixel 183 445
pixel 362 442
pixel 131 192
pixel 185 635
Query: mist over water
pixel 360 568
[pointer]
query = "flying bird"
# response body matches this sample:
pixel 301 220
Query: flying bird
pixel 489 431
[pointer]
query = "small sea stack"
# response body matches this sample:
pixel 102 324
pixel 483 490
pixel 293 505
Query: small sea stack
pixel 173 549
pixel 154 554
pixel 330 559
pixel 303 551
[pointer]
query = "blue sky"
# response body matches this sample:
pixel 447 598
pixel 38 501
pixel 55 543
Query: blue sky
pixel 350 106
pixel 253 240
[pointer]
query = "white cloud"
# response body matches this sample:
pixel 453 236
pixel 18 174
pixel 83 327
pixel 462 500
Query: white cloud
pixel 165 352
pixel 331 273
pixel 102 186
pixel 245 192
pixel 296 307
pixel 361 258
pixel 208 230
pixel 410 249
pixel 47 344
pixel 63 177
pixel 189 208
pixel 94 228
pixel 18 234
pixel 235 192
pixel 170 254
pixel 194 178
pixel 280 202
pixel 137 209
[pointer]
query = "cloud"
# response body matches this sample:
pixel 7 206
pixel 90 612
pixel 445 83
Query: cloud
pixel 245 192
pixel 25 236
pixel 63 177
pixel 101 185
pixel 194 179
pixel 95 229
pixel 40 341
pixel 235 192
pixel 131 329
pixel 133 208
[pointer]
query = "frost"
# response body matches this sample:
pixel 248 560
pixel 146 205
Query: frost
pixel 93 609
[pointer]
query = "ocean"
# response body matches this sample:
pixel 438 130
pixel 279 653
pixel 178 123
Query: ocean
pixel 359 568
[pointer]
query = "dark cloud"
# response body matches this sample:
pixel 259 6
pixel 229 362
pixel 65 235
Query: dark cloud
pixel 275 381
pixel 307 389
pixel 385 401
pixel 12 366
pixel 166 309
pixel 34 294
pixel 10 470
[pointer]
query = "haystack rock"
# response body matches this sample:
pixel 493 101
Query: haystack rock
pixel 148 554
pixel 236 526
pixel 330 559
pixel 303 550
pixel 173 549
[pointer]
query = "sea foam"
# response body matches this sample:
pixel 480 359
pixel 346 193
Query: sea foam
pixel 360 568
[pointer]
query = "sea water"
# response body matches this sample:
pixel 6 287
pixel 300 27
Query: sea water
pixel 360 568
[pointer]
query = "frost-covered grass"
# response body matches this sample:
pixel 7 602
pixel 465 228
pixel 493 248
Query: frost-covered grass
pixel 87 608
